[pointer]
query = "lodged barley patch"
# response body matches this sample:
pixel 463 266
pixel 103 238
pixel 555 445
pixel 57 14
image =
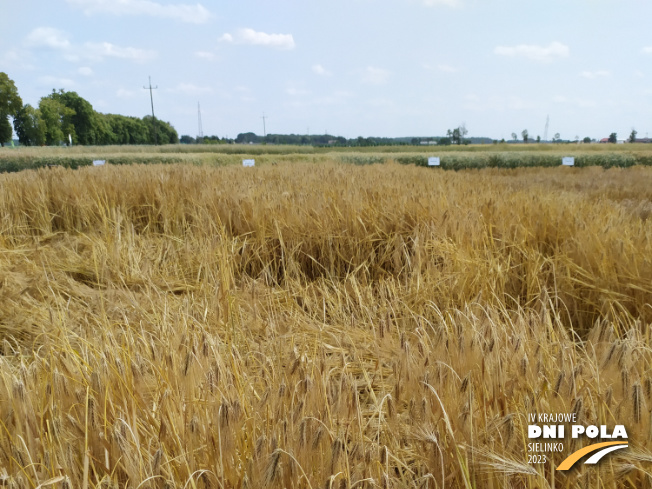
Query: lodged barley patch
pixel 331 325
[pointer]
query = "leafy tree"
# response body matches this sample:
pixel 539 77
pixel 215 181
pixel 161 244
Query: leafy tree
pixel 10 104
pixel 525 135
pixel 538 139
pixel 165 133
pixel 556 138
pixel 462 132
pixel 613 137
pixel 457 138
pixel 586 140
pixel 632 136
pixel 29 126
pixel 87 127
pixel 5 129
pixel 57 119
pixel 514 136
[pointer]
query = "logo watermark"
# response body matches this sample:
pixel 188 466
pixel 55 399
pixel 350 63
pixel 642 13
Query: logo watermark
pixel 548 433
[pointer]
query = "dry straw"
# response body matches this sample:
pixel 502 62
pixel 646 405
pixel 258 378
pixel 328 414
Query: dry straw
pixel 303 326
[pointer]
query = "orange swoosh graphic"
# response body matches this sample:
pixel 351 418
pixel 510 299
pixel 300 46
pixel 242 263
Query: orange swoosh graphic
pixel 574 457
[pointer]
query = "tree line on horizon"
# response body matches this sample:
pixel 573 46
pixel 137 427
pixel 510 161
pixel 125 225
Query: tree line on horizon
pixel 65 117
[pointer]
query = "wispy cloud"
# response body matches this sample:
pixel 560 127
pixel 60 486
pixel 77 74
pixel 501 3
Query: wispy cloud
pixel 375 76
pixel 447 68
pixel 446 3
pixel 55 81
pixel 190 89
pixel 85 71
pixel 591 75
pixel 575 102
pixel 534 52
pixel 204 55
pixel 196 14
pixel 296 92
pixel 123 93
pixel 47 37
pixel 107 50
pixel 50 38
pixel 254 38
pixel 320 70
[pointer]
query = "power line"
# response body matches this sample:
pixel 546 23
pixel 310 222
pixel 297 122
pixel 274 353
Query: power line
pixel 151 97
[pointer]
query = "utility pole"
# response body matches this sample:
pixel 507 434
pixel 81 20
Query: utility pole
pixel 264 131
pixel 151 97
pixel 200 135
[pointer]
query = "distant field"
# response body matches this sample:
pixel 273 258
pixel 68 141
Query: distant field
pixel 452 157
pixel 320 326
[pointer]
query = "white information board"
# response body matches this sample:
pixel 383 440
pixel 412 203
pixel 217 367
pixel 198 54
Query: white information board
pixel 568 161
pixel 99 162
pixel 248 162
pixel 433 161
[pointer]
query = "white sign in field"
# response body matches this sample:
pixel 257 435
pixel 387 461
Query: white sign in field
pixel 248 162
pixel 434 161
pixel 99 162
pixel 568 161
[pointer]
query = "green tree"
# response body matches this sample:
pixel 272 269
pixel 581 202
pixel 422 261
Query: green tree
pixel 526 135
pixel 10 104
pixel 85 120
pixel 632 136
pixel 613 137
pixel 29 126
pixel 57 119
pixel 166 133
pixel 586 140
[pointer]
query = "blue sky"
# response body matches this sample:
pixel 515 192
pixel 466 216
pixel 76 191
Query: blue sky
pixel 356 67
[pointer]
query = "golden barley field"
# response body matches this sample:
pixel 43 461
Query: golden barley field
pixel 321 326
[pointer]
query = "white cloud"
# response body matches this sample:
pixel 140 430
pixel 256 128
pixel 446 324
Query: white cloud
pixel 375 76
pixel 591 75
pixel 647 50
pixel 190 89
pixel 57 82
pixel 204 55
pixel 575 102
pixel 107 50
pixel 122 93
pixel 447 69
pixel 495 103
pixel 55 39
pixel 536 53
pixel 294 92
pixel 320 70
pixel 447 3
pixel 253 38
pixel 85 71
pixel 48 37
pixel 196 14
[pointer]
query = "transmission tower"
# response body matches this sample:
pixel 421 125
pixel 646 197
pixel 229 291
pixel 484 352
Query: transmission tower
pixel 545 132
